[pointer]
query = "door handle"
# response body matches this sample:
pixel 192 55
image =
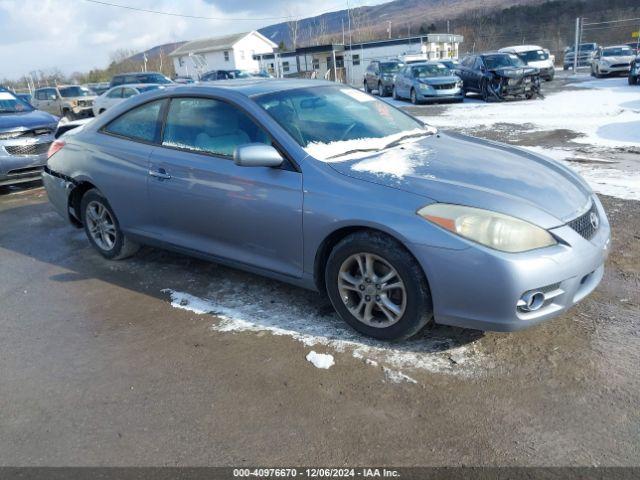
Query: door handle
pixel 160 173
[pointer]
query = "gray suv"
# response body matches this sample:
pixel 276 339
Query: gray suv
pixel 25 137
pixel 379 76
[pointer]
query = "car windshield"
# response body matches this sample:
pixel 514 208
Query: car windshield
pixel 617 52
pixel 499 61
pixel 239 74
pixel 9 103
pixel 75 92
pixel 331 121
pixel 431 70
pixel 390 67
pixel 533 56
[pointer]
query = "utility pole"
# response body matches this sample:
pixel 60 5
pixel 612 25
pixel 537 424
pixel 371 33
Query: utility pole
pixel 576 46
pixel 342 21
pixel 448 26
pixel 389 28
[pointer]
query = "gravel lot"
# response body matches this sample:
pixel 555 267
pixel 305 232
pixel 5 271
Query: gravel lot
pixel 166 360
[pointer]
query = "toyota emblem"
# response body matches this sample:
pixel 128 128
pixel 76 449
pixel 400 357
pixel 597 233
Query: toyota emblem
pixel 595 221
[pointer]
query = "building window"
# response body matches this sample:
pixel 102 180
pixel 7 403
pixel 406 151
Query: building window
pixel 340 62
pixel 241 54
pixel 356 59
pixel 181 61
pixel 316 64
pixel 226 56
pixel 285 66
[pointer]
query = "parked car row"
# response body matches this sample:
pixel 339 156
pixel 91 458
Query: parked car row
pixel 494 75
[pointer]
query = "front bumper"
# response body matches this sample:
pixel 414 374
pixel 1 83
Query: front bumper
pixel 480 288
pixel 83 112
pixel 434 95
pixel 22 160
pixel 608 70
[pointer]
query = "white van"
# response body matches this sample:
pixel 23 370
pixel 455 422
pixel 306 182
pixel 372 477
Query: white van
pixel 535 56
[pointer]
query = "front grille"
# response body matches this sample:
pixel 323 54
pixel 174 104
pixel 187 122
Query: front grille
pixel 85 103
pixel 619 65
pixel 31 149
pixel 445 86
pixel 584 224
pixel 26 171
pixel 550 288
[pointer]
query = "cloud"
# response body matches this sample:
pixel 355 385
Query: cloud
pixel 76 35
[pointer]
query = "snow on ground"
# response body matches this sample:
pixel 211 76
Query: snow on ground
pixel 285 312
pixel 604 180
pixel 606 112
pixel 320 360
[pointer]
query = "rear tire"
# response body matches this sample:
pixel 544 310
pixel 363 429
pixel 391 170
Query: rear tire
pixel 394 93
pixel 484 91
pixel 392 309
pixel 381 92
pixel 102 227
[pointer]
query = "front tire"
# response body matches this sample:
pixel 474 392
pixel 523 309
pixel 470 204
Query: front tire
pixel 414 97
pixel 377 287
pixel 633 80
pixel 102 228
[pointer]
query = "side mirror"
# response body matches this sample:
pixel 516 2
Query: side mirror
pixel 257 155
pixel 53 96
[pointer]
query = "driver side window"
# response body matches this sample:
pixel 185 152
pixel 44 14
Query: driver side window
pixel 205 125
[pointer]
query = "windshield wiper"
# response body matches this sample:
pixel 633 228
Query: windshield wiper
pixel 355 150
pixel 401 139
pixel 388 145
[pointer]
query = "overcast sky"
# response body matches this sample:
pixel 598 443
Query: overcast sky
pixel 76 35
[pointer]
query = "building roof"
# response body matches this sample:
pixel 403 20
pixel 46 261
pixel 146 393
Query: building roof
pixel 215 43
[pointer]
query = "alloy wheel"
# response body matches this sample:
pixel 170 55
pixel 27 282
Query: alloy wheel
pixel 372 290
pixel 101 225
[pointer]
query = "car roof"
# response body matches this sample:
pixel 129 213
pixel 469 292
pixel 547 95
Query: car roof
pixel 135 85
pixel 136 73
pixel 610 47
pixel 521 48
pixel 256 85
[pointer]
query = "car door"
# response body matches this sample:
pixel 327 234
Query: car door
pixel 204 202
pixel 477 73
pixel 464 71
pixel 120 163
pixel 369 74
pixel 112 98
pixel 49 101
pixel 405 82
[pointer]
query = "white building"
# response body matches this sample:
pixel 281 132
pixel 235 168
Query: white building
pixel 229 52
pixel 349 62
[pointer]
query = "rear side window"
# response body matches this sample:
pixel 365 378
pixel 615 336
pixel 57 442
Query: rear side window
pixel 141 123
pixel 209 126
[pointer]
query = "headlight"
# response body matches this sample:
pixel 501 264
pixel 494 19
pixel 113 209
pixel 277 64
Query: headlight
pixel 459 84
pixel 8 135
pixel 492 229
pixel 424 86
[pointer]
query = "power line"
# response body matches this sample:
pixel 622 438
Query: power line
pixel 196 17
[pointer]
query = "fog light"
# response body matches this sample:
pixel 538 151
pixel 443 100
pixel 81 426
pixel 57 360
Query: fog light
pixel 531 301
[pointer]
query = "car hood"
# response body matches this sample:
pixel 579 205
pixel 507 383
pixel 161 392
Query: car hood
pixel 515 72
pixel 27 120
pixel 453 168
pixel 439 80
pixel 89 97
pixel 540 63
